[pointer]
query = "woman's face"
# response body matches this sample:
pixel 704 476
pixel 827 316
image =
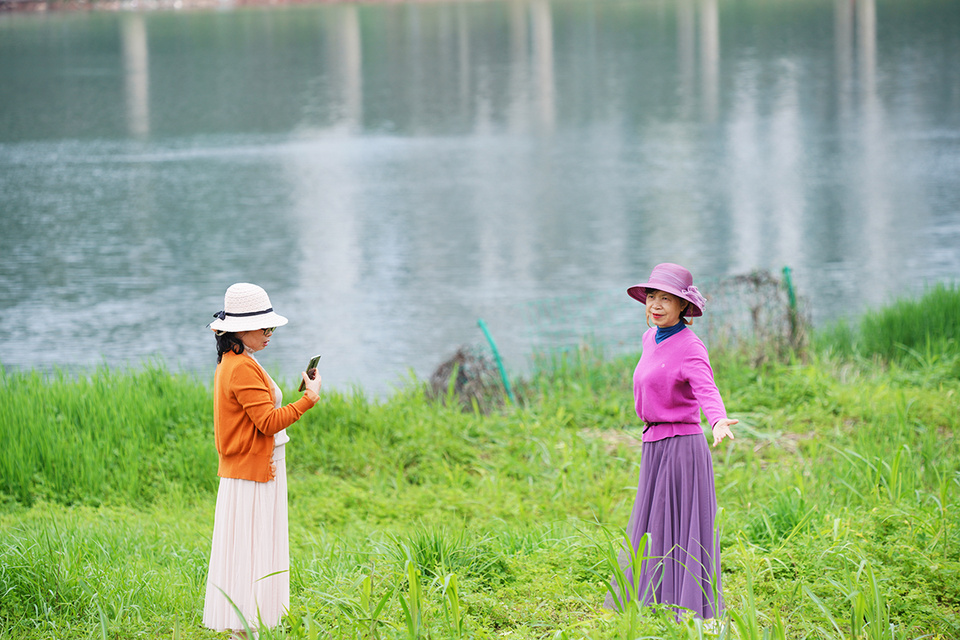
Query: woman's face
pixel 663 308
pixel 255 340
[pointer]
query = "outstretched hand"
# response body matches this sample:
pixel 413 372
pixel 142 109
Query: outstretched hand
pixel 722 430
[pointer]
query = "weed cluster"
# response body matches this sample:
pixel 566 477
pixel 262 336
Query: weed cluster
pixel 920 331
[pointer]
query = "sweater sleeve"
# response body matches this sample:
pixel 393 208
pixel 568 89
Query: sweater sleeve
pixel 254 395
pixel 699 373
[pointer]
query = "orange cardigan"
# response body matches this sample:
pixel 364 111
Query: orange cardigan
pixel 245 420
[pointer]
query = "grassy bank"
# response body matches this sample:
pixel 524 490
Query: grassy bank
pixel 412 519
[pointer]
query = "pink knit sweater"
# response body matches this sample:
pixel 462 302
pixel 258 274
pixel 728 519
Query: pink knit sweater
pixel 672 382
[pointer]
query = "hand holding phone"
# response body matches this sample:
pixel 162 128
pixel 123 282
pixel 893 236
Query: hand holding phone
pixel 311 371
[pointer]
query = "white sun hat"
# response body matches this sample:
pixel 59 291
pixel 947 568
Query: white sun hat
pixel 246 307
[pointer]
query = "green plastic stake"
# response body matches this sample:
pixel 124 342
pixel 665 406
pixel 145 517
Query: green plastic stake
pixel 793 315
pixel 496 356
pixel 790 292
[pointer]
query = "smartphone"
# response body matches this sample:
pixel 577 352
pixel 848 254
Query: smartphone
pixel 310 365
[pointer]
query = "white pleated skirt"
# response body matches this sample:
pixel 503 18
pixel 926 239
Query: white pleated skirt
pixel 250 553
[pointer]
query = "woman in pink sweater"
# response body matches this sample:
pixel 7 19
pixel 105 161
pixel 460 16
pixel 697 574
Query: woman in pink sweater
pixel 676 502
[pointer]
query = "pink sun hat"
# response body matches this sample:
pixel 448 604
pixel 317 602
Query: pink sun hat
pixel 673 279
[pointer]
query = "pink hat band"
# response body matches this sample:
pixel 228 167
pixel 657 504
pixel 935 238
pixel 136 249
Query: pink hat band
pixel 675 280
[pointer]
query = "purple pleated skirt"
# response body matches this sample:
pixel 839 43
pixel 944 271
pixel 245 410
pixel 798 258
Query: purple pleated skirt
pixel 676 507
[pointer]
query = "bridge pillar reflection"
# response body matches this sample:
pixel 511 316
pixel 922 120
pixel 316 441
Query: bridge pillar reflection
pixel 698 56
pixel 136 73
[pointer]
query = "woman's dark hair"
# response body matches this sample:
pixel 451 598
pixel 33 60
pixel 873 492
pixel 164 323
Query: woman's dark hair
pixel 228 341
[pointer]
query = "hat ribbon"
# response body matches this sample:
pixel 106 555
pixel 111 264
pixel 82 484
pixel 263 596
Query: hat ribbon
pixel 223 314
pixel 692 294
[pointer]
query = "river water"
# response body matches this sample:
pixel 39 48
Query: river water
pixel 392 173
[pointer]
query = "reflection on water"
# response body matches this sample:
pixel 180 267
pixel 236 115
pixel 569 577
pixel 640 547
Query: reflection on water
pixel 391 173
pixel 137 74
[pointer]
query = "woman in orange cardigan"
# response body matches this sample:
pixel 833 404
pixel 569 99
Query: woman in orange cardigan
pixel 250 551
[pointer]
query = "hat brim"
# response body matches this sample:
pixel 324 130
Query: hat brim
pixel 639 292
pixel 252 323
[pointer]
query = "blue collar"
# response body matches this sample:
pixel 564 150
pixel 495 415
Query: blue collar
pixel 663 334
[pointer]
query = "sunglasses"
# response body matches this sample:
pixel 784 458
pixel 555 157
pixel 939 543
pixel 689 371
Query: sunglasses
pixel 269 331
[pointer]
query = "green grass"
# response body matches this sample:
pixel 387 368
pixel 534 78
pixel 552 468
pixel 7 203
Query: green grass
pixel 840 505
pixel 908 330
pixel 103 438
